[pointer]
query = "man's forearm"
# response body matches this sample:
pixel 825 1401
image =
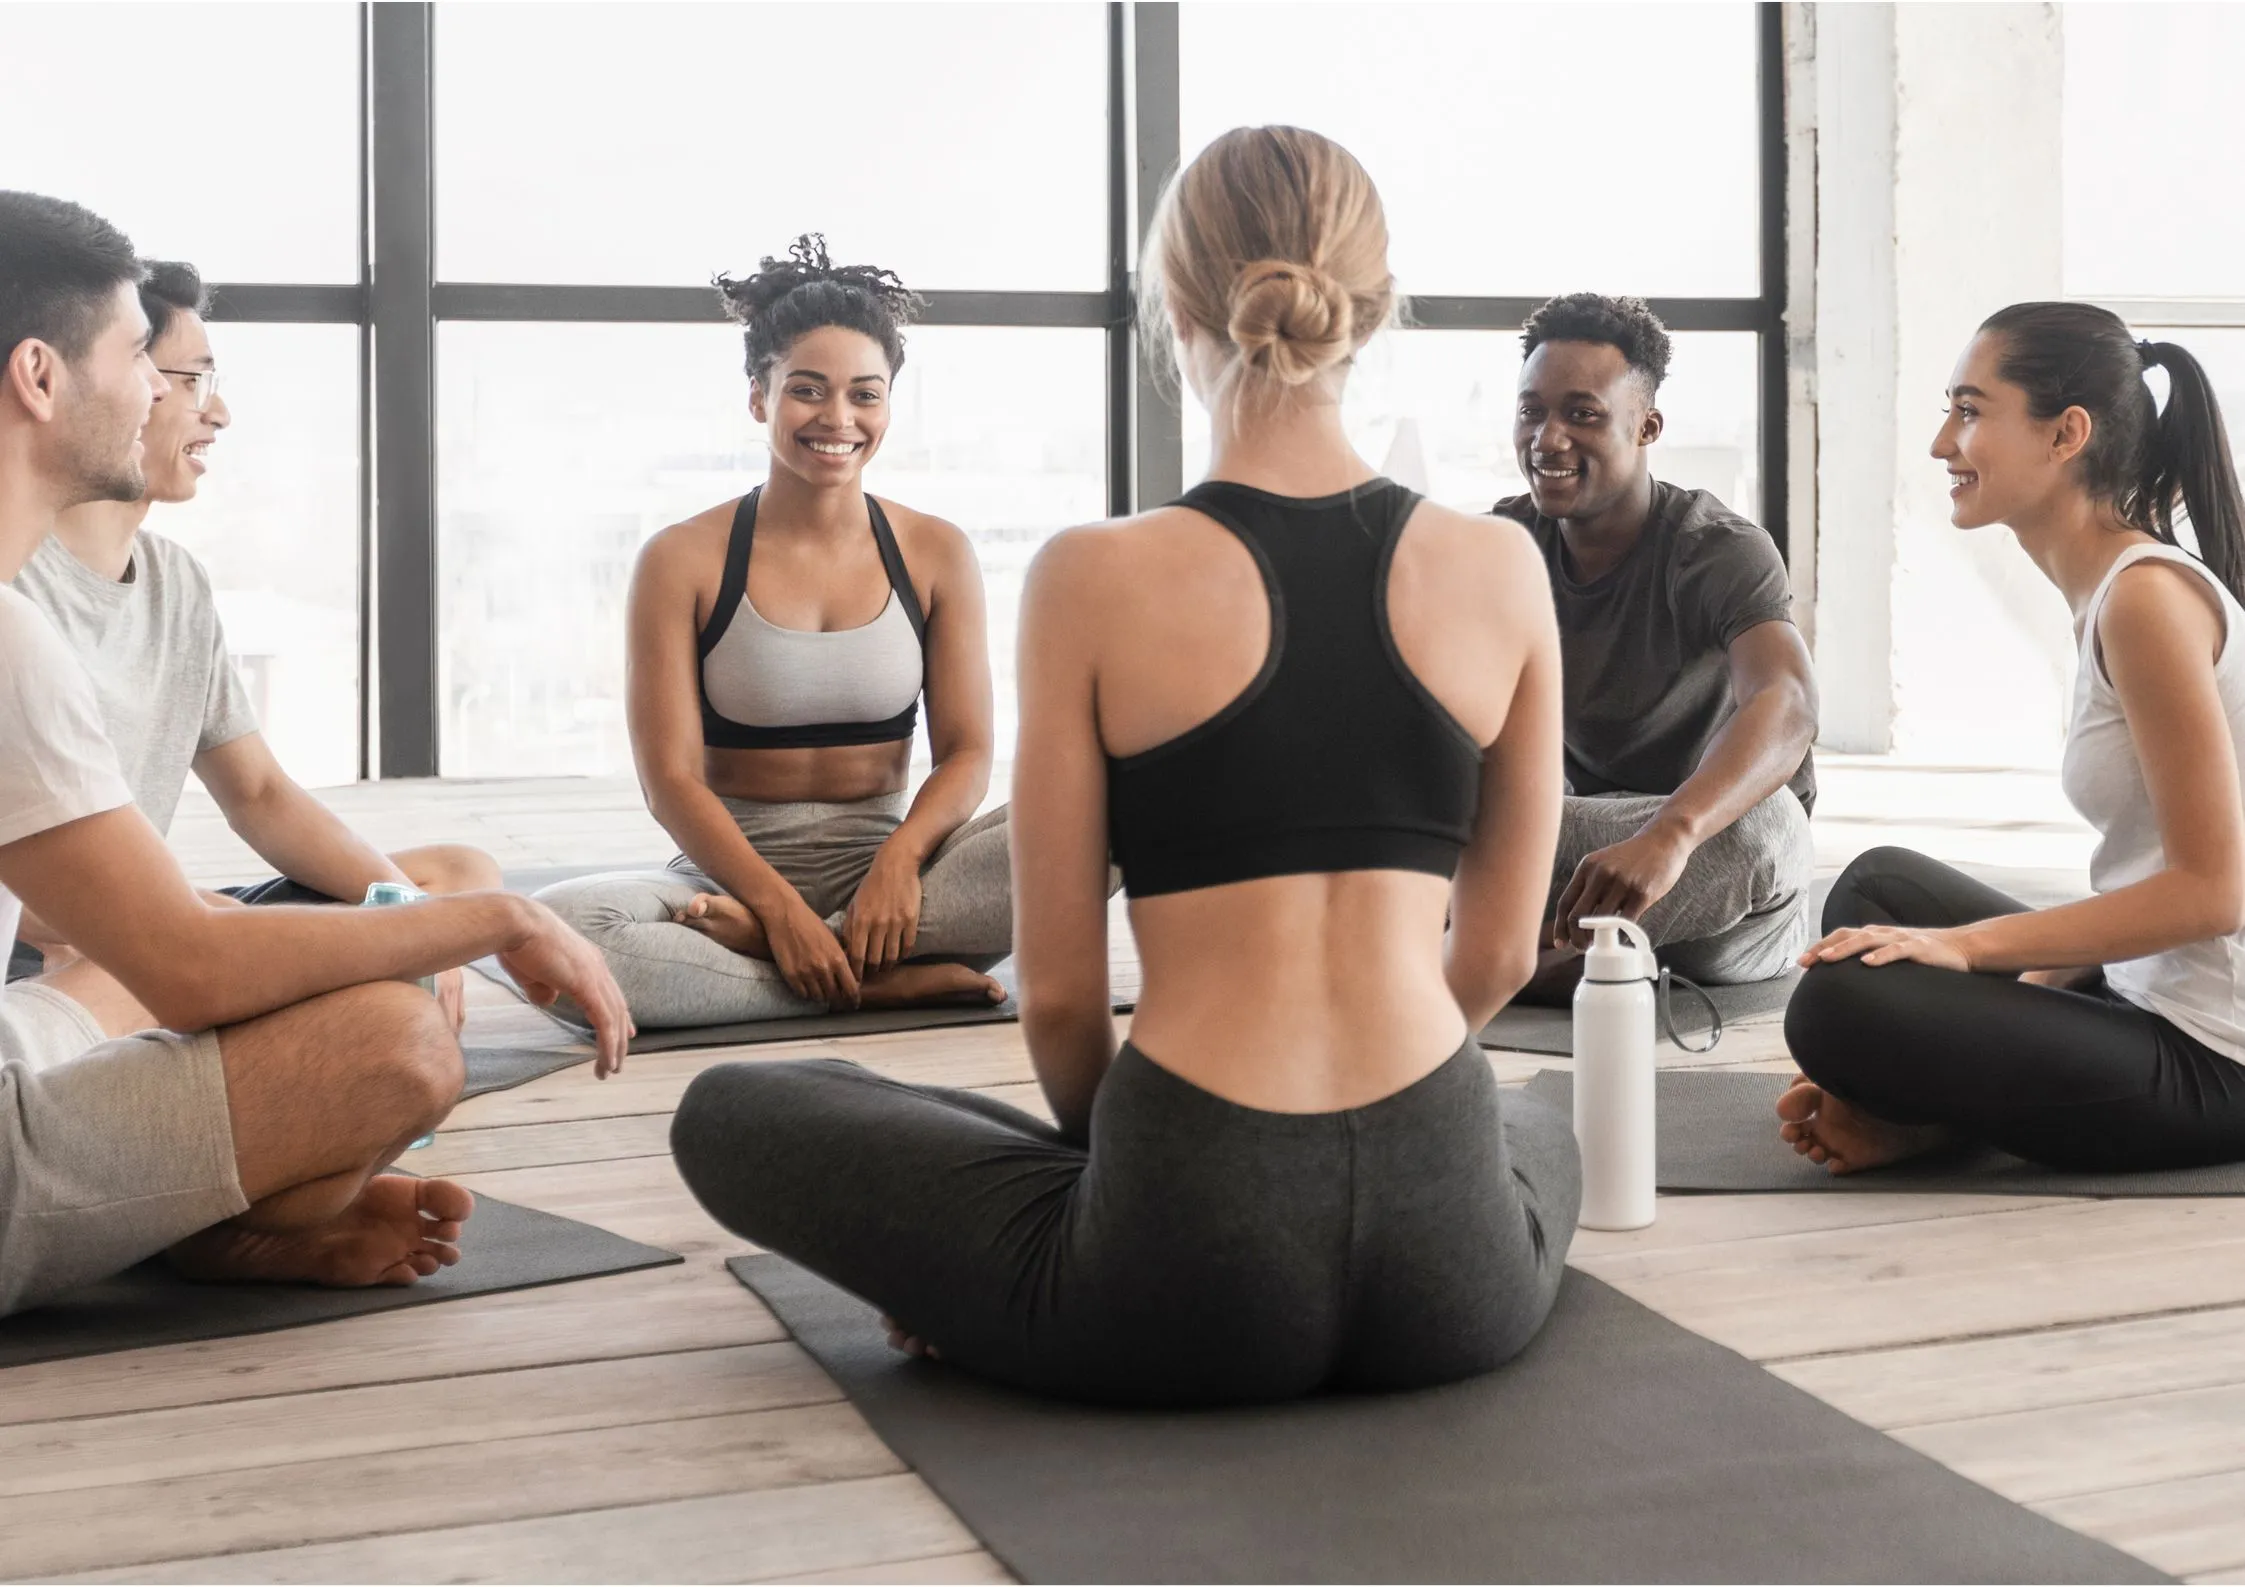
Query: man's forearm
pixel 1754 754
pixel 308 843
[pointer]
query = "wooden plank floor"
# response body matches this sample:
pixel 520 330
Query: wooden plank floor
pixel 2086 1358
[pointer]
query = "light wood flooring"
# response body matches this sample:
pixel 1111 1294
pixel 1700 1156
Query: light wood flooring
pixel 2084 1357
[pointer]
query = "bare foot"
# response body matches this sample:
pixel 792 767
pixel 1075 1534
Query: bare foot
pixel 1844 1138
pixel 726 921
pixel 400 1229
pixel 920 984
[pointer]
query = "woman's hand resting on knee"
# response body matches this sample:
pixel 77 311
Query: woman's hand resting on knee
pixel 1943 948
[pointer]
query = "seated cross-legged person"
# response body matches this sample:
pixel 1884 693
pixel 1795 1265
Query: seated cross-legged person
pixel 2107 1034
pixel 778 649
pixel 1316 718
pixel 138 610
pixel 1691 700
pixel 222 1085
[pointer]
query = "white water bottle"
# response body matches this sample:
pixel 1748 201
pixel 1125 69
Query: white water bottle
pixel 1614 1075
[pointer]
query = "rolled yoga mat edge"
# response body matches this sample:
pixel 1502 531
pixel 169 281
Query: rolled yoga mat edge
pixel 1716 1131
pixel 1618 1447
pixel 505 1247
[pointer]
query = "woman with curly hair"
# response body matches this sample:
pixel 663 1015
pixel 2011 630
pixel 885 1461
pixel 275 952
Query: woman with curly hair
pixel 778 647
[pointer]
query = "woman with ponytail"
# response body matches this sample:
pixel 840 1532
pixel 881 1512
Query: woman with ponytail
pixel 2107 1034
pixel 1315 720
pixel 772 700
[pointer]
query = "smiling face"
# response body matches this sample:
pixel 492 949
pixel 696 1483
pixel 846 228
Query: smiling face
pixel 178 439
pixel 1581 427
pixel 2003 462
pixel 824 405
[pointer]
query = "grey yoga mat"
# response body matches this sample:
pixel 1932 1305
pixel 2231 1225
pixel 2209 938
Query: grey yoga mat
pixel 506 1247
pixel 1618 1447
pixel 809 1027
pixel 1718 1131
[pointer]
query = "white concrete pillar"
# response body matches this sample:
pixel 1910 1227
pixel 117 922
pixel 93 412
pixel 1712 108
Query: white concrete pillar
pixel 1939 201
pixel 1855 374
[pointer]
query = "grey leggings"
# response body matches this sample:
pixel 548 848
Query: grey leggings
pixel 1197 1252
pixel 673 975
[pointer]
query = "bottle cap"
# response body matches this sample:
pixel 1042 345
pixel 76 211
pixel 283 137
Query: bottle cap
pixel 1619 951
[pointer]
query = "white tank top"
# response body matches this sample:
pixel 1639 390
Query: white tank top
pixel 2200 986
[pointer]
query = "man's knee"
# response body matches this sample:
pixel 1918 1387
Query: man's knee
pixel 450 868
pixel 408 1053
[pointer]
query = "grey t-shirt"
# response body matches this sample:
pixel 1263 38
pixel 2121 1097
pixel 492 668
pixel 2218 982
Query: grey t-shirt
pixel 1647 678
pixel 153 645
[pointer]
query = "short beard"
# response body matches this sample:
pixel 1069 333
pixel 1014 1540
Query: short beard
pixel 99 473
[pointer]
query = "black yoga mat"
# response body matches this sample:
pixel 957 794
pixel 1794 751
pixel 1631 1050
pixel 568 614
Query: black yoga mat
pixel 1718 1131
pixel 808 1027
pixel 1618 1447
pixel 505 1247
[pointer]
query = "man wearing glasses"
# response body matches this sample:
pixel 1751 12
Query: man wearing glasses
pixel 138 610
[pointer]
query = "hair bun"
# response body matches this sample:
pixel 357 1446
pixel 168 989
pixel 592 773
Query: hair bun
pixel 1290 321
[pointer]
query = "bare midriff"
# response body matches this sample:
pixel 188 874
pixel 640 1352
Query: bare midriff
pixel 1298 994
pixel 841 775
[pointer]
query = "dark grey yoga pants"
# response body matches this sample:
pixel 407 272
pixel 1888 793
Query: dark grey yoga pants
pixel 1198 1253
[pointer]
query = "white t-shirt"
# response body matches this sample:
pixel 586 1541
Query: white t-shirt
pixel 56 765
pixel 153 646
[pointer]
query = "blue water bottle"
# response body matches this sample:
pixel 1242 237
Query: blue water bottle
pixel 378 893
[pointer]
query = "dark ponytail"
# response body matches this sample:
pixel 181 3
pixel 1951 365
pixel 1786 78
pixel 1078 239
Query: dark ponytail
pixel 786 299
pixel 2142 460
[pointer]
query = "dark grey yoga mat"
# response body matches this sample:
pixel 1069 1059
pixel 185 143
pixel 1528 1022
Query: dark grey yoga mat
pixel 502 1068
pixel 1523 1027
pixel 809 1027
pixel 1718 1131
pixel 1619 1447
pixel 506 1247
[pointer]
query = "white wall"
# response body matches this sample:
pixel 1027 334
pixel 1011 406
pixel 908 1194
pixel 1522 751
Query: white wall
pixel 1939 201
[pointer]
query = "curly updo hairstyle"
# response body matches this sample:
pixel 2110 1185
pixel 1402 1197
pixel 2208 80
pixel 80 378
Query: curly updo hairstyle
pixel 786 299
pixel 1273 244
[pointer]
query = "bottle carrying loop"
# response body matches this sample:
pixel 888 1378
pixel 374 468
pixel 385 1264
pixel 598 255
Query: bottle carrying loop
pixel 1669 981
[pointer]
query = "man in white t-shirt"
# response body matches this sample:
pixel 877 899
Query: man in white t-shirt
pixel 138 610
pixel 246 1139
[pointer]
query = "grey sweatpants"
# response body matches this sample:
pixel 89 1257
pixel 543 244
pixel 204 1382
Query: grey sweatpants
pixel 673 975
pixel 1192 1252
pixel 1739 912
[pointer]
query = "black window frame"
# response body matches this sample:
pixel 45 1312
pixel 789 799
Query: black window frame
pixel 399 301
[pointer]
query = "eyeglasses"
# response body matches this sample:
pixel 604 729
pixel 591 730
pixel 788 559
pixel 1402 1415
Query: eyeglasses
pixel 201 383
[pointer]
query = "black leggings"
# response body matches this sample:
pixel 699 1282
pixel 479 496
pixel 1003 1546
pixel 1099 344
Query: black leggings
pixel 2070 1079
pixel 1199 1252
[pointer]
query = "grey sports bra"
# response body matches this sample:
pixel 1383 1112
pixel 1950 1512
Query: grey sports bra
pixel 767 687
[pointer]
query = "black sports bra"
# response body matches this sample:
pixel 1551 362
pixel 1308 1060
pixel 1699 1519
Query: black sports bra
pixel 767 687
pixel 1336 757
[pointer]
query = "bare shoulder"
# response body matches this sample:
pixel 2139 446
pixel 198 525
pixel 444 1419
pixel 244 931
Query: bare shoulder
pixel 2154 601
pixel 685 548
pixel 927 540
pixel 1484 559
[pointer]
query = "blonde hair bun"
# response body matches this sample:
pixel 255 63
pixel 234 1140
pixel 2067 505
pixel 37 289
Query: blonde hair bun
pixel 1290 321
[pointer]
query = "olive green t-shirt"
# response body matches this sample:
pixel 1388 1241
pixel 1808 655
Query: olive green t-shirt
pixel 1644 648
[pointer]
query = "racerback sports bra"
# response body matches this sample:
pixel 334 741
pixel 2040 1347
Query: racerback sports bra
pixel 1336 757
pixel 767 687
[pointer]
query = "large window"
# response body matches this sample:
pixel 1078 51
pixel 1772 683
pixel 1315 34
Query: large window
pixel 464 249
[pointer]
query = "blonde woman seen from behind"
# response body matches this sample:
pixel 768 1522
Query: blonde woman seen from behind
pixel 1315 720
